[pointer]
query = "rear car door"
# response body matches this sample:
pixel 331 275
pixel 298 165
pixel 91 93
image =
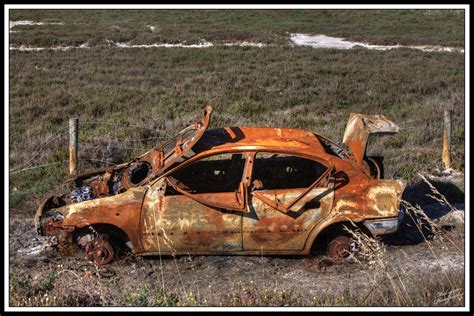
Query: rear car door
pixel 288 196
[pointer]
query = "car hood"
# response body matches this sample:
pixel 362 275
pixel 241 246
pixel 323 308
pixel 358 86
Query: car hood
pixel 102 185
pixel 160 158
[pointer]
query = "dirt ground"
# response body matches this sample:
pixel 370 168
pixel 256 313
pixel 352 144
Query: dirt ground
pixel 230 280
pixel 250 88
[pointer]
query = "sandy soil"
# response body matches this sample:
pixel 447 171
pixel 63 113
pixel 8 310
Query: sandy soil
pixel 214 277
pixel 323 41
pixel 296 39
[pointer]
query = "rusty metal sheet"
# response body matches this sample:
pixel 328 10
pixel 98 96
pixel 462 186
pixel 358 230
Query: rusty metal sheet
pixel 360 126
pixel 279 221
pixel 383 198
pixel 268 230
pixel 179 224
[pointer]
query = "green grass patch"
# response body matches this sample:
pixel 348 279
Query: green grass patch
pixel 388 27
pixel 32 183
pixel 164 89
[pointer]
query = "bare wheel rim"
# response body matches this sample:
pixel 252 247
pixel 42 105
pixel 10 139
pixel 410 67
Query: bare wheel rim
pixel 339 247
pixel 100 251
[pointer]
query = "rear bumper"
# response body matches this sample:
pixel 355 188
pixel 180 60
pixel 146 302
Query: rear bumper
pixel 382 226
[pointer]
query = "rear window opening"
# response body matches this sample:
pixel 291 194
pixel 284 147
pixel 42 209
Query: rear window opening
pixel 332 148
pixel 279 171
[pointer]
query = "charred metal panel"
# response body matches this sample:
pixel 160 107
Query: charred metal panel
pixel 383 198
pixel 136 196
pixel 141 170
pixel 122 211
pixel 360 199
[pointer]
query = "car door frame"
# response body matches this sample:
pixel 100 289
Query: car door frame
pixel 284 211
pixel 242 190
pixel 163 180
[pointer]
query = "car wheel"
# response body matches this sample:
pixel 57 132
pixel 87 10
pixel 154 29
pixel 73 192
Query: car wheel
pixel 100 250
pixel 340 247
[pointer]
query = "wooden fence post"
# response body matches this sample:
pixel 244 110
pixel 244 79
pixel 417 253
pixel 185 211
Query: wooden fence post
pixel 73 136
pixel 447 140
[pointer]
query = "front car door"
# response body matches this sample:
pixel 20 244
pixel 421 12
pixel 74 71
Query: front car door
pixel 197 208
pixel 288 196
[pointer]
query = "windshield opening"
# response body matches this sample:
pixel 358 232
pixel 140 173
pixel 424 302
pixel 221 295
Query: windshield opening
pixel 332 148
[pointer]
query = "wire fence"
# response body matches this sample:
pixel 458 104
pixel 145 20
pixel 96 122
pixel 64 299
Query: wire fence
pixel 147 128
pixel 93 140
pixel 105 146
pixel 426 125
pixel 40 150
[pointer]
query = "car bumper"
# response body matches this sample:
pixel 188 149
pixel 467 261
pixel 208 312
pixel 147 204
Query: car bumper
pixel 382 226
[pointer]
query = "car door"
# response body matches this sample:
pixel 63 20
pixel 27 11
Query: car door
pixel 288 196
pixel 197 208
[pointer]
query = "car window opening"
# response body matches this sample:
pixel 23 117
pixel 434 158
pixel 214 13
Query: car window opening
pixel 332 148
pixel 218 173
pixel 279 171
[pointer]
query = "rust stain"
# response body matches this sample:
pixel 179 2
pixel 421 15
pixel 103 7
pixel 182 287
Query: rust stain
pixel 142 203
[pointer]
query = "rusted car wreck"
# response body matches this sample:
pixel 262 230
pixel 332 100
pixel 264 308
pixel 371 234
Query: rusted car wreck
pixel 236 190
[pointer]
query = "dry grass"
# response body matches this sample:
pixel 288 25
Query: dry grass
pixel 116 93
pixel 398 287
pixel 395 286
pixel 386 281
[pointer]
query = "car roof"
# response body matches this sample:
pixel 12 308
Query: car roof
pixel 260 138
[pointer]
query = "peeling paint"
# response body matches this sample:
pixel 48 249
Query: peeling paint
pixel 154 204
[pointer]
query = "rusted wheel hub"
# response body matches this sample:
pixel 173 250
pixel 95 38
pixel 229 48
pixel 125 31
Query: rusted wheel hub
pixel 100 251
pixel 339 247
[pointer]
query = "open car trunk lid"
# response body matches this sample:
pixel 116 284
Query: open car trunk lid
pixel 360 126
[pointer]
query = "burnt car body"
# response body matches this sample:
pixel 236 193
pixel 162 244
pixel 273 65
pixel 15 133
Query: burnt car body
pixel 236 190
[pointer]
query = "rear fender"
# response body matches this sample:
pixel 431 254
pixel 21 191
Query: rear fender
pixel 382 198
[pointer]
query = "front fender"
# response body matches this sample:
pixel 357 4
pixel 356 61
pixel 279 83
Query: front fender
pixel 122 211
pixel 53 202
